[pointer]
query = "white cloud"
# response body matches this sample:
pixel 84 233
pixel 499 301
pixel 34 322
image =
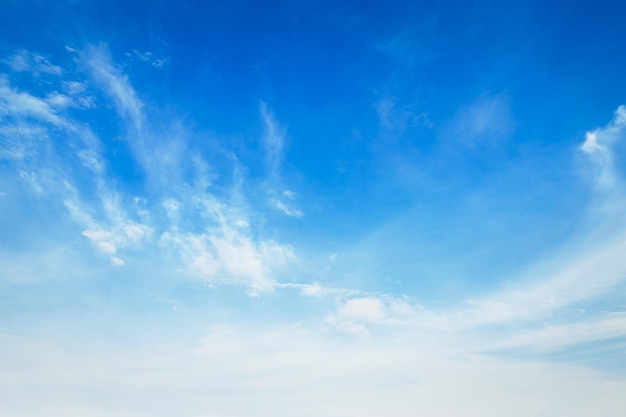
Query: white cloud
pixel 314 290
pixel 273 140
pixel 159 146
pixel 317 290
pixel 291 212
pixel 20 104
pixel 148 57
pixel 562 281
pixel 590 265
pixel 366 309
pixel 115 84
pixel 554 337
pixel 91 160
pixel 32 179
pixel 134 231
pixel 285 207
pixel 80 97
pixel 228 255
pixel 35 119
pixel 115 261
pixel 20 140
pixel 241 259
pixel 172 206
pixel 23 61
pixel 74 87
pixel 273 143
pixel 108 236
pixel 356 314
pixel 102 239
pixel 224 250
pixel 58 100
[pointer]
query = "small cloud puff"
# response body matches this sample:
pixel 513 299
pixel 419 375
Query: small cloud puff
pixel 356 314
pixel 282 205
pixel 147 57
pixel 598 146
pixel 291 212
pixel 314 290
pixel 366 309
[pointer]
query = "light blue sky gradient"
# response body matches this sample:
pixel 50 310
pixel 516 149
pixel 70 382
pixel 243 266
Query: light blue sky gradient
pixel 312 209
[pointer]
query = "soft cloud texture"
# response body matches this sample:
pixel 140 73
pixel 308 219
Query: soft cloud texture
pixel 487 121
pixel 225 250
pixel 159 260
pixel 25 61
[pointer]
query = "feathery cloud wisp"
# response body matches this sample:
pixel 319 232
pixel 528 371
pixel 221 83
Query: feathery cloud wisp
pixel 273 141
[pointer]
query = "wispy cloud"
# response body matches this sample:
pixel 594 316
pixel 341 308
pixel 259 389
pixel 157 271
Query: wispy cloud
pixel 397 120
pixel 20 140
pixel 115 83
pixel 486 121
pixel 147 57
pixel 25 61
pixel 216 244
pixel 283 204
pixel 555 337
pixel 226 252
pixel 273 141
pixel 533 312
pixel 118 232
pixel 20 104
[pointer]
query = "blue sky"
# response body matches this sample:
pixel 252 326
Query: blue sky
pixel 311 208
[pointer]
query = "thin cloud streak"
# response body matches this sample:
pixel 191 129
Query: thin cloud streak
pixel 555 337
pixel 273 141
pixel 115 83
